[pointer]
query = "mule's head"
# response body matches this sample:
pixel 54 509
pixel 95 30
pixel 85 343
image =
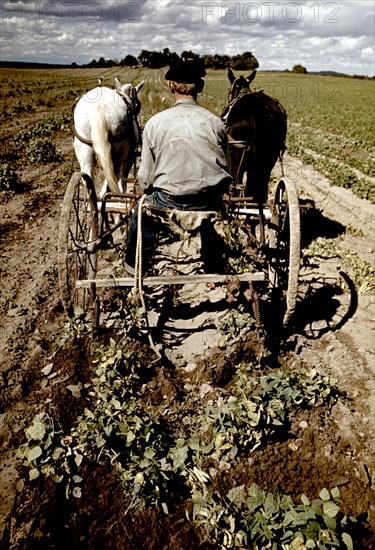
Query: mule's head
pixel 130 93
pixel 239 85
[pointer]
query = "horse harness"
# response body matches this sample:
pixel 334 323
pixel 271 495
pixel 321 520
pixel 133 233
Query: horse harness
pixel 113 139
pixel 235 94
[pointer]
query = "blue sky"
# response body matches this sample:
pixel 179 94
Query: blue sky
pixel 320 35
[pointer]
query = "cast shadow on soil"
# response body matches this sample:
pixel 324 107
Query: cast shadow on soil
pixel 185 311
pixel 314 224
pixel 321 311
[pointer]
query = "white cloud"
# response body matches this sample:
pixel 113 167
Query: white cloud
pixel 322 35
pixel 368 54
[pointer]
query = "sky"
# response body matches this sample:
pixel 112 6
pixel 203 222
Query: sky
pixel 320 35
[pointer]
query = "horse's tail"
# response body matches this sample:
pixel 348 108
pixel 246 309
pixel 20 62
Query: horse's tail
pixel 100 131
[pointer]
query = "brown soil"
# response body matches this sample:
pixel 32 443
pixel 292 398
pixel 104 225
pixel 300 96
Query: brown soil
pixel 333 333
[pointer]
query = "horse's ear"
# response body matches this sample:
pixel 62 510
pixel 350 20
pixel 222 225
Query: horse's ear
pixel 140 86
pixel 251 77
pixel 231 76
pixel 117 83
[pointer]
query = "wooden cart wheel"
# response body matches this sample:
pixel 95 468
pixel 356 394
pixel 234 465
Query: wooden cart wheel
pixel 285 247
pixel 77 232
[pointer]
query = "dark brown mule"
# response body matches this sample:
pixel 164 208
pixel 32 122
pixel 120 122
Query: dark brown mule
pixel 260 122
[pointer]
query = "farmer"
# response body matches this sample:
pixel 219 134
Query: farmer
pixel 184 160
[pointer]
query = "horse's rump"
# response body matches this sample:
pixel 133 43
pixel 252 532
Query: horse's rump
pixel 106 124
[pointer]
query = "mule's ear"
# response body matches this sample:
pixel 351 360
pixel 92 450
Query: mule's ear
pixel 251 77
pixel 117 83
pixel 140 86
pixel 231 76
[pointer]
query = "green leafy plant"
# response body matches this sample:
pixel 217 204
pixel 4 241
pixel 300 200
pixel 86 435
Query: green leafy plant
pixel 34 142
pixel 119 430
pixel 260 406
pixel 20 107
pixel 240 256
pixel 255 518
pixel 232 324
pixel 49 452
pixel 42 151
pixel 9 179
pixel 78 325
pixel 126 317
pixel 43 129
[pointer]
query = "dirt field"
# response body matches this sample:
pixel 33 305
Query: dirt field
pixel 333 333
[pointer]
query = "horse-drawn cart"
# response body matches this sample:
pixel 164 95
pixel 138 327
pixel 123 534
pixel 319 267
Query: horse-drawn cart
pixel 269 230
pixel 272 234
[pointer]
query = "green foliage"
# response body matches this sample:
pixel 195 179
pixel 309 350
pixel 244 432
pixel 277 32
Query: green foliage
pixel 240 256
pixel 299 69
pixel 78 325
pixel 232 324
pixel 42 151
pixel 260 406
pixel 126 318
pixel 339 174
pixel 118 429
pixel 18 108
pixel 243 517
pixel 34 143
pixel 9 179
pixel 255 518
pixel 49 452
pixel 43 129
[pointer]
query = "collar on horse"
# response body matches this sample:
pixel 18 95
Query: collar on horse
pixel 235 94
pixel 112 139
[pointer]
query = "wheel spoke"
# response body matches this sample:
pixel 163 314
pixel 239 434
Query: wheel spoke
pixel 78 231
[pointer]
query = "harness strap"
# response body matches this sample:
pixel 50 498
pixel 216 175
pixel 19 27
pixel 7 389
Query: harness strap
pixel 238 143
pixel 138 275
pixel 84 140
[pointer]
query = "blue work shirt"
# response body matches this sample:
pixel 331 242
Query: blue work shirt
pixel 184 151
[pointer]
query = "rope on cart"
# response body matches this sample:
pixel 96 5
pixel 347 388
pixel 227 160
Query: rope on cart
pixel 138 276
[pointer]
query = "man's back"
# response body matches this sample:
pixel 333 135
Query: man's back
pixel 184 150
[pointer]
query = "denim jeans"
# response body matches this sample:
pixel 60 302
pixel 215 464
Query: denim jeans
pixel 150 227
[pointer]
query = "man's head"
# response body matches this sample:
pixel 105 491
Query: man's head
pixel 185 77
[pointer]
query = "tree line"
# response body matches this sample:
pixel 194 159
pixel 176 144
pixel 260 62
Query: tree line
pixel 159 59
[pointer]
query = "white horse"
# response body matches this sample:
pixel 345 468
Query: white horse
pixel 106 127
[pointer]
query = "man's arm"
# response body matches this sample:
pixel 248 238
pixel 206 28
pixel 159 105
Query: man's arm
pixel 146 169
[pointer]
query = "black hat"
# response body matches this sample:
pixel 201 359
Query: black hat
pixel 188 71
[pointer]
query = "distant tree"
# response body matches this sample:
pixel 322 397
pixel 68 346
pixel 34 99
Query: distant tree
pixel 189 55
pixel 216 61
pixel 101 63
pixel 129 61
pixel 74 65
pixel 299 69
pixel 169 57
pixel 244 61
pixel 156 59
